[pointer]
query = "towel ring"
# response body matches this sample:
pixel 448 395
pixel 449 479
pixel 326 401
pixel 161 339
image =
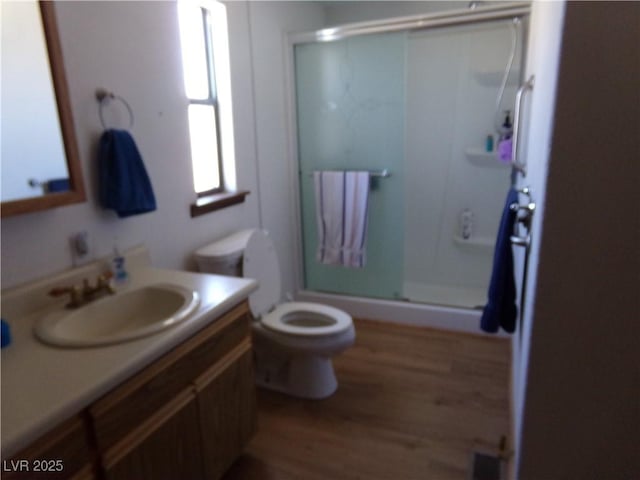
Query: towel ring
pixel 104 97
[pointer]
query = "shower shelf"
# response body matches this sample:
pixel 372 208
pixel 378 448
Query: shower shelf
pixel 494 78
pixel 475 243
pixel 481 158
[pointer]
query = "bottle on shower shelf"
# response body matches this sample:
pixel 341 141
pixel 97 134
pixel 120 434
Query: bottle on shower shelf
pixel 466 224
pixel 488 144
pixel 505 144
pixel 506 130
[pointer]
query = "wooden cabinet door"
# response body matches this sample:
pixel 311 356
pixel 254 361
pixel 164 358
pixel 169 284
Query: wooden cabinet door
pixel 60 454
pixel 85 474
pixel 130 404
pixel 166 446
pixel 227 409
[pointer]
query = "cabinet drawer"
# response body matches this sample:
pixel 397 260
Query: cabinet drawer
pixel 134 401
pixel 64 447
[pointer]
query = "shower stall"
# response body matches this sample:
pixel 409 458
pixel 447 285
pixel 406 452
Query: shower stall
pixel 422 99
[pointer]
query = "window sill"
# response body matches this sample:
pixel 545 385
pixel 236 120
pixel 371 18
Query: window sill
pixel 217 201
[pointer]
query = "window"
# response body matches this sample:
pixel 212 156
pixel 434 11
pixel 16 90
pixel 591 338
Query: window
pixel 205 59
pixel 200 87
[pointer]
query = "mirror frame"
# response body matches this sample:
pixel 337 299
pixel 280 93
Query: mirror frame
pixel 76 193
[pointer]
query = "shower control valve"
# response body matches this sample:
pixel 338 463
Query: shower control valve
pixel 527 212
pixel 528 208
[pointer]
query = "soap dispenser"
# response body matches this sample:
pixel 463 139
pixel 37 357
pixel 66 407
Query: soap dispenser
pixel 506 129
pixel 118 267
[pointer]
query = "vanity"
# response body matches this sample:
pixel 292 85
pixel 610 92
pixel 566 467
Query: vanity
pixel 178 403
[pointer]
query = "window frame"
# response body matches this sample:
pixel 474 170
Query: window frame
pixel 220 197
pixel 212 99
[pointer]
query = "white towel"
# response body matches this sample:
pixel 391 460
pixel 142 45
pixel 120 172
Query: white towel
pixel 342 202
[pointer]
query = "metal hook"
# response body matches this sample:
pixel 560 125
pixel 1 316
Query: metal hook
pixel 104 97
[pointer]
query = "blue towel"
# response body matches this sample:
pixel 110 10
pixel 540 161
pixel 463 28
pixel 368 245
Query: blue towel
pixel 5 334
pixel 501 310
pixel 58 185
pixel 124 184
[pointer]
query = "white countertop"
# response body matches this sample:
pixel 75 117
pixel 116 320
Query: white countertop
pixel 44 385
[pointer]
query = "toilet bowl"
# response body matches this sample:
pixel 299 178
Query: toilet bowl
pixel 293 341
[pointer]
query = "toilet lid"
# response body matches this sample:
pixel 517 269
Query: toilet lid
pixel 226 247
pixel 260 262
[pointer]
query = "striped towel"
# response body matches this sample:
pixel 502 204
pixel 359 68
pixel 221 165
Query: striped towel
pixel 342 203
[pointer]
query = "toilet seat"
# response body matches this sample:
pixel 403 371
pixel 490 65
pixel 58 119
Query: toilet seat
pixel 292 318
pixel 307 319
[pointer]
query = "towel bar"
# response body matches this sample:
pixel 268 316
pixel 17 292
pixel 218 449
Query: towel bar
pixel 384 173
pixel 104 96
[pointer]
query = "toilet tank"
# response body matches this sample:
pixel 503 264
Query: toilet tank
pixel 224 256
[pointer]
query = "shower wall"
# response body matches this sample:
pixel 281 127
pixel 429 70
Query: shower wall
pixel 453 76
pixel 420 104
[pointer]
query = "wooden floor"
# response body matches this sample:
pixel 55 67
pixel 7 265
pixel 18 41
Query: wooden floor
pixel 412 403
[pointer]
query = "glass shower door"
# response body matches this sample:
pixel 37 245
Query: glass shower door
pixel 421 104
pixel 350 113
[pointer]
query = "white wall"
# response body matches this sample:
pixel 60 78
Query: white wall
pixel 453 78
pixel 581 417
pixel 132 48
pixel 270 23
pixel 543 54
pixel 338 13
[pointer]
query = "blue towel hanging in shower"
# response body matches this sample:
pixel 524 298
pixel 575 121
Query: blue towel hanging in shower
pixel 124 184
pixel 501 309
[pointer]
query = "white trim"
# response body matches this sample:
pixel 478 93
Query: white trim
pixel 294 163
pixel 254 115
pixel 416 22
pixel 422 315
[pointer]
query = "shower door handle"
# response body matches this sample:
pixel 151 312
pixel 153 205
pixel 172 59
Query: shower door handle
pixel 517 118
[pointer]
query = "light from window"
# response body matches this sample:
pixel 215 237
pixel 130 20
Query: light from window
pixel 194 51
pixel 204 147
pixel 196 35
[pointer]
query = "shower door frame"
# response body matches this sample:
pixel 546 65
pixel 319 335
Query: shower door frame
pixel 363 306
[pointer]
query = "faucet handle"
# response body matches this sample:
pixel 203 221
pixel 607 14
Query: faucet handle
pixel 105 277
pixel 74 292
pixel 104 281
pixel 59 291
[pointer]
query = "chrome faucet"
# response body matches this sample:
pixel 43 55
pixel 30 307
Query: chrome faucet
pixel 79 296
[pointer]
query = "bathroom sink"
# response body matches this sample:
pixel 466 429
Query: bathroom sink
pixel 119 318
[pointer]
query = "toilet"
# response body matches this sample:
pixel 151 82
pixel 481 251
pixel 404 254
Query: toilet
pixel 293 341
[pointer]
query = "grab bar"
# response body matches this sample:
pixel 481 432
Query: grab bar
pixel 384 173
pixel 517 165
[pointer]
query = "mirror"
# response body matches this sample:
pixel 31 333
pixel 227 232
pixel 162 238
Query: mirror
pixel 40 162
